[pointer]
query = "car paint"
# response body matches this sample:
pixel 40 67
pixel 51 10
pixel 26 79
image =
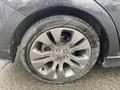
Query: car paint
pixel 9 20
pixel 13 12
pixel 112 7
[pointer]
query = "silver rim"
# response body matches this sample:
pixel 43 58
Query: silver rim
pixel 60 54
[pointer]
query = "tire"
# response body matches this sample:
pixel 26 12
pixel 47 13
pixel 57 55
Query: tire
pixel 52 22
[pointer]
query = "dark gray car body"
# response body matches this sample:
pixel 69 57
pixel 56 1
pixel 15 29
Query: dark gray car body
pixel 16 14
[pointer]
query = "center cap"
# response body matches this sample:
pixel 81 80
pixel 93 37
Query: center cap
pixel 61 54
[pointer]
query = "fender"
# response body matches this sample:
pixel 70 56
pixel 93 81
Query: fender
pixel 25 8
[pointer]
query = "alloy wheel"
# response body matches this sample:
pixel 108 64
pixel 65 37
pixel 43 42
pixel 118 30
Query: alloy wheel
pixel 60 53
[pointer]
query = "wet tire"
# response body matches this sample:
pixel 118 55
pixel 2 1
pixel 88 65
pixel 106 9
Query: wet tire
pixel 63 21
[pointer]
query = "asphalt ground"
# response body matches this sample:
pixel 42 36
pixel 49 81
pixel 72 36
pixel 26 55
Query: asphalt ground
pixel 13 76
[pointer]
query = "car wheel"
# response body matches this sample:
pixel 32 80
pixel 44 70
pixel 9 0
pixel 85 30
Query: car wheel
pixel 59 49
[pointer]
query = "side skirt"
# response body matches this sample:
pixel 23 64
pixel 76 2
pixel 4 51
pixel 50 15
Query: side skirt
pixel 111 61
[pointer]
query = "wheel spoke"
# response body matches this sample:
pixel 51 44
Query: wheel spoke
pixel 56 34
pixel 45 39
pixel 80 60
pixel 60 73
pixel 40 62
pixel 52 71
pixel 76 37
pixel 74 67
pixel 36 54
pixel 82 46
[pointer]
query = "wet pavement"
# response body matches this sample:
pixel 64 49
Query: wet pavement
pixel 15 77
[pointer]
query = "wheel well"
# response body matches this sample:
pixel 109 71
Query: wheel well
pixel 61 10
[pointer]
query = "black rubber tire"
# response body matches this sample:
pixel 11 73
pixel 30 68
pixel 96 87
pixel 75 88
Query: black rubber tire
pixel 59 21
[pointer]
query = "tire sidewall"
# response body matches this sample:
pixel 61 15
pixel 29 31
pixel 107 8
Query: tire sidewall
pixel 55 22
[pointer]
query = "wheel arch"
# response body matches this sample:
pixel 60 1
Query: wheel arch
pixel 60 10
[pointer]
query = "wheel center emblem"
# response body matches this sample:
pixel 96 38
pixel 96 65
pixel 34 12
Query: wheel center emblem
pixel 61 54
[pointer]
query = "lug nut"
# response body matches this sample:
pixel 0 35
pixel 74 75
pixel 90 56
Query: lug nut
pixel 58 50
pixel 59 59
pixel 65 51
pixel 66 57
